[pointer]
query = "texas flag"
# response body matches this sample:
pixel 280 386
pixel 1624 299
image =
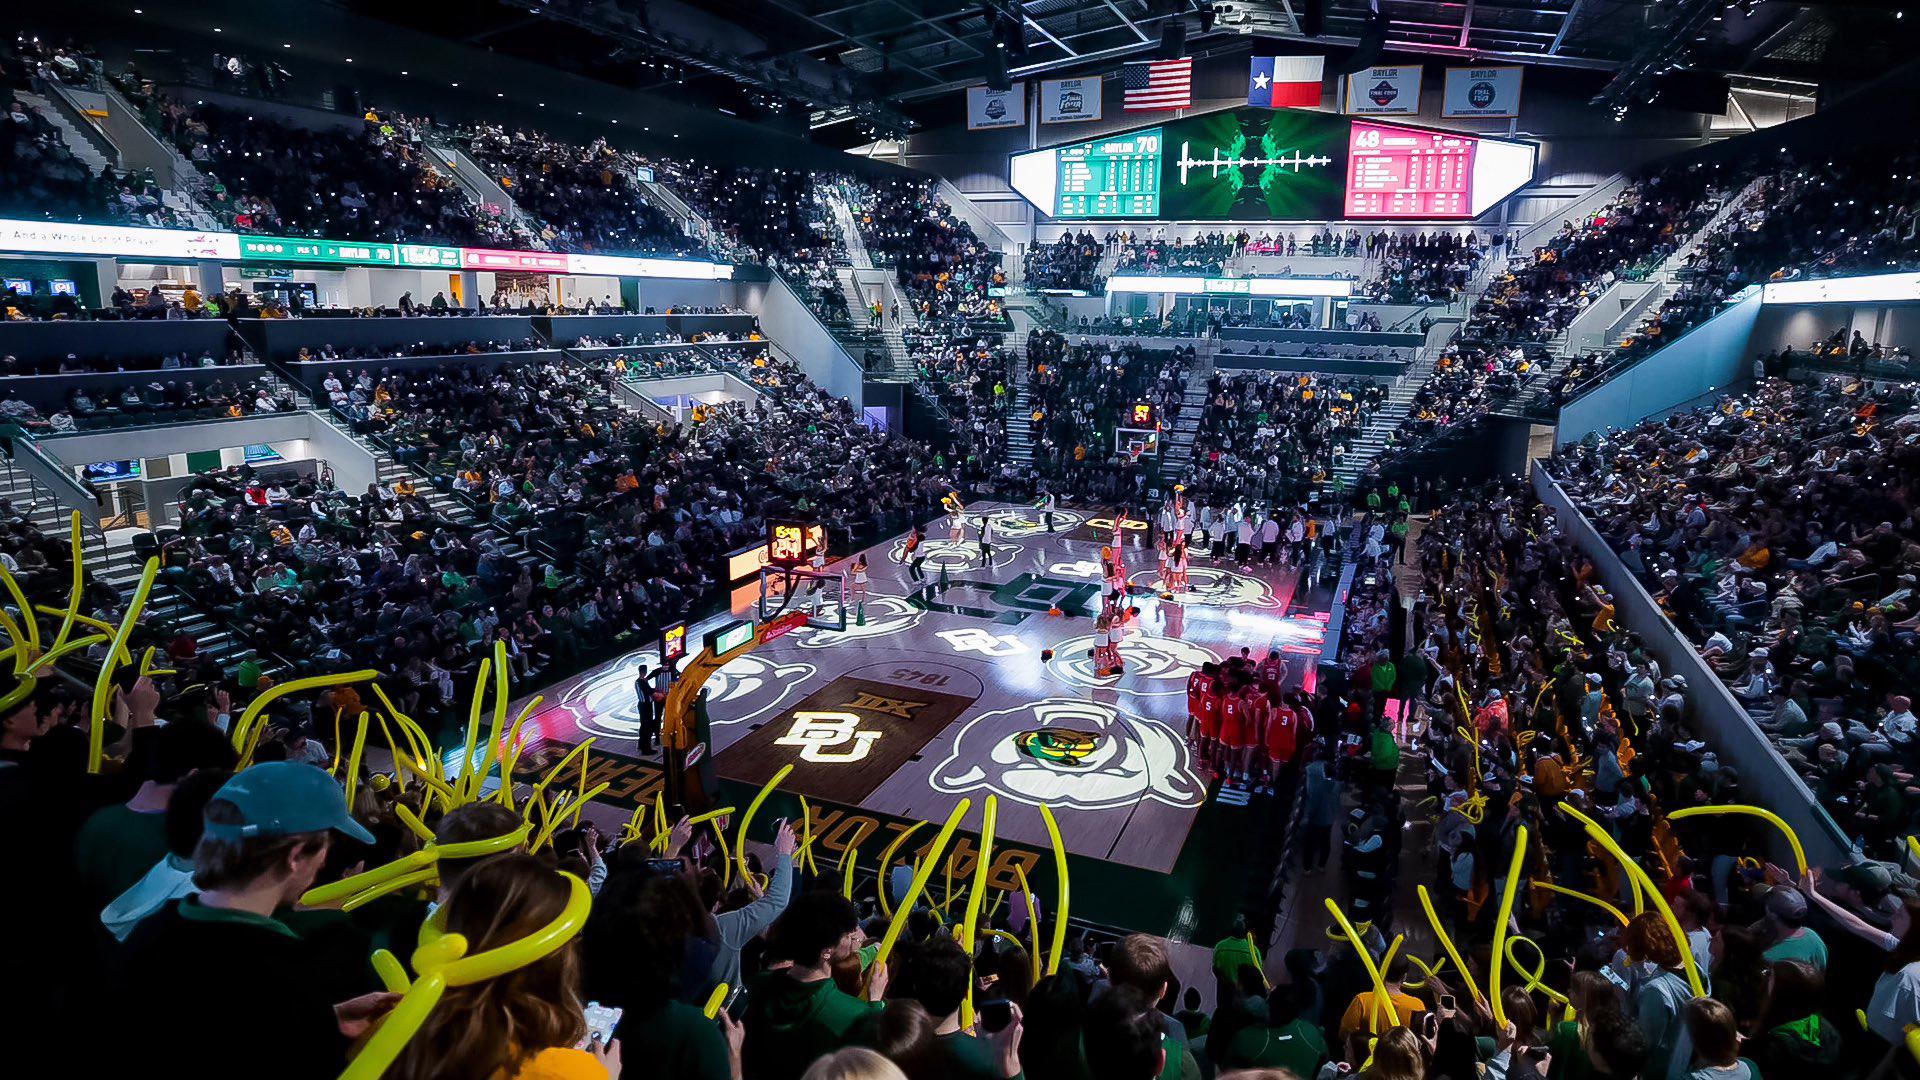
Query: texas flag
pixel 1285 82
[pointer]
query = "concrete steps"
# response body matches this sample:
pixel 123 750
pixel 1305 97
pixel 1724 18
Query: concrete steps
pixel 77 144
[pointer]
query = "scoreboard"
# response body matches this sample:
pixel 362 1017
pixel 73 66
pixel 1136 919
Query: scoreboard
pixel 1255 164
pixel 1404 172
pixel 1118 177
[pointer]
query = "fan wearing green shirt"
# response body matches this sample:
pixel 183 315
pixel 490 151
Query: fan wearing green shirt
pixel 120 843
pixel 797 1014
pixel 1286 1041
pixel 1785 924
pixel 936 973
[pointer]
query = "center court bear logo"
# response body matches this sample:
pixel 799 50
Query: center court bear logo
pixel 1154 665
pixel 748 686
pixel 1065 752
pixel 886 616
pixel 1211 587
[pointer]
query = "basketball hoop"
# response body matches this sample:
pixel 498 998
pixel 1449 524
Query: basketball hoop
pixel 822 594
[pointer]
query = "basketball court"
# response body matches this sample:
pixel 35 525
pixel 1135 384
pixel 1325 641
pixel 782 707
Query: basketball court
pixel 976 678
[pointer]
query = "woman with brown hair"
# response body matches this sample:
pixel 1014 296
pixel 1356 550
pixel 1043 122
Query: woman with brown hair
pixel 1399 1055
pixel 1660 997
pixel 526 1024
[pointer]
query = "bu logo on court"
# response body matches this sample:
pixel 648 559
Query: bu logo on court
pixel 821 736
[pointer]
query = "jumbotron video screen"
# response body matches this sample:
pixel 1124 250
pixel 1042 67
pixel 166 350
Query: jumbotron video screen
pixel 1253 164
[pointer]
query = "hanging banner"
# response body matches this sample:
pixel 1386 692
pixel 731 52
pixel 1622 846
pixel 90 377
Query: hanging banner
pixel 1384 91
pixel 1482 91
pixel 996 108
pixel 1069 101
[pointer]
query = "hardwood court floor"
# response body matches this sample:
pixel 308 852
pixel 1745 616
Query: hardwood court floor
pixel 941 689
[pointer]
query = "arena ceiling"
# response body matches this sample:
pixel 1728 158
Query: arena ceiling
pixel 898 52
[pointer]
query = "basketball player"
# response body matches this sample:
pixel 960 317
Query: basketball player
pixel 1199 684
pixel 1282 737
pixel 1273 670
pixel 1210 711
pixel 1232 750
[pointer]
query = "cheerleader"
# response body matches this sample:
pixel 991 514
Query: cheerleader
pixel 1176 574
pixel 1166 561
pixel 1106 657
pixel 1115 569
pixel 1119 527
pixel 860 578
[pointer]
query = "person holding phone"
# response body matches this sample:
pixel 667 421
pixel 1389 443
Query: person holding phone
pixel 646 921
pixel 937 973
pixel 798 1013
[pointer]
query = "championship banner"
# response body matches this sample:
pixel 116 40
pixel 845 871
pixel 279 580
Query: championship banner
pixel 1482 91
pixel 988 108
pixel 1069 101
pixel 1384 91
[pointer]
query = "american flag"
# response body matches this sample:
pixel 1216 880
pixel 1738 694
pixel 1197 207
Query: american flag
pixel 1157 84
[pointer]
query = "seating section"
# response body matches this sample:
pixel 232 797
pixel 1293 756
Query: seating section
pixel 1783 560
pixel 1274 437
pixel 1080 395
pixel 588 198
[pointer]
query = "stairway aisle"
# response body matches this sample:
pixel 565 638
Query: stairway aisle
pixel 76 143
pixel 1176 457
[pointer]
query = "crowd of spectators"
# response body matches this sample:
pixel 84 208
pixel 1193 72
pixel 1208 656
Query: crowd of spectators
pixel 1069 264
pixel 1497 352
pixel 1772 527
pixel 586 198
pixel 1274 436
pixel 156 401
pixel 1081 395
pixel 74 363
pixel 1421 268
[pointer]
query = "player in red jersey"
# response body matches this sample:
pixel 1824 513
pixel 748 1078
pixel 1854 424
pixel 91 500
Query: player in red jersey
pixel 1282 737
pixel 1233 733
pixel 1208 708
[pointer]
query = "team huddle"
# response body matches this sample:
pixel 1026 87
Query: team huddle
pixel 1236 708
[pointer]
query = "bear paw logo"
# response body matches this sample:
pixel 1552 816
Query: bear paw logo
pixel 1063 752
pixel 1212 587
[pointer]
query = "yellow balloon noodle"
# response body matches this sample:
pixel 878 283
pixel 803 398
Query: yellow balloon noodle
pixel 1913 1040
pixel 886 859
pixel 1373 970
pixel 465 783
pixel 726 856
pixel 1426 973
pixel 393 748
pixel 989 815
pixel 920 876
pixel 746 819
pixel 1653 892
pixel 26 616
pixel 1500 927
pixel 404 881
pixel 97 729
pixel 1594 900
pixel 1768 816
pixel 695 822
pixel 1539 968
pixel 714 1000
pixel 53 655
pixel 1033 918
pixel 802 860
pixel 73 593
pixel 353 759
pixel 1446 942
pixel 441 962
pixel 1060 908
pixel 271 694
pixel 847 862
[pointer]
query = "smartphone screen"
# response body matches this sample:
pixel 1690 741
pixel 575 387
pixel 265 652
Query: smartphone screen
pixel 995 1016
pixel 736 1005
pixel 601 1021
pixel 1446 1002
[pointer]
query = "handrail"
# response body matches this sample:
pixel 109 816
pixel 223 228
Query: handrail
pixel 58 96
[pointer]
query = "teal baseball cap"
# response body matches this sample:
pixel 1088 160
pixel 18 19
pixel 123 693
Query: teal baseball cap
pixel 285 798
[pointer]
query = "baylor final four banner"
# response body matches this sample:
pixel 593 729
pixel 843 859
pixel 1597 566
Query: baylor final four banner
pixel 1069 101
pixel 1384 91
pixel 987 108
pixel 1482 91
